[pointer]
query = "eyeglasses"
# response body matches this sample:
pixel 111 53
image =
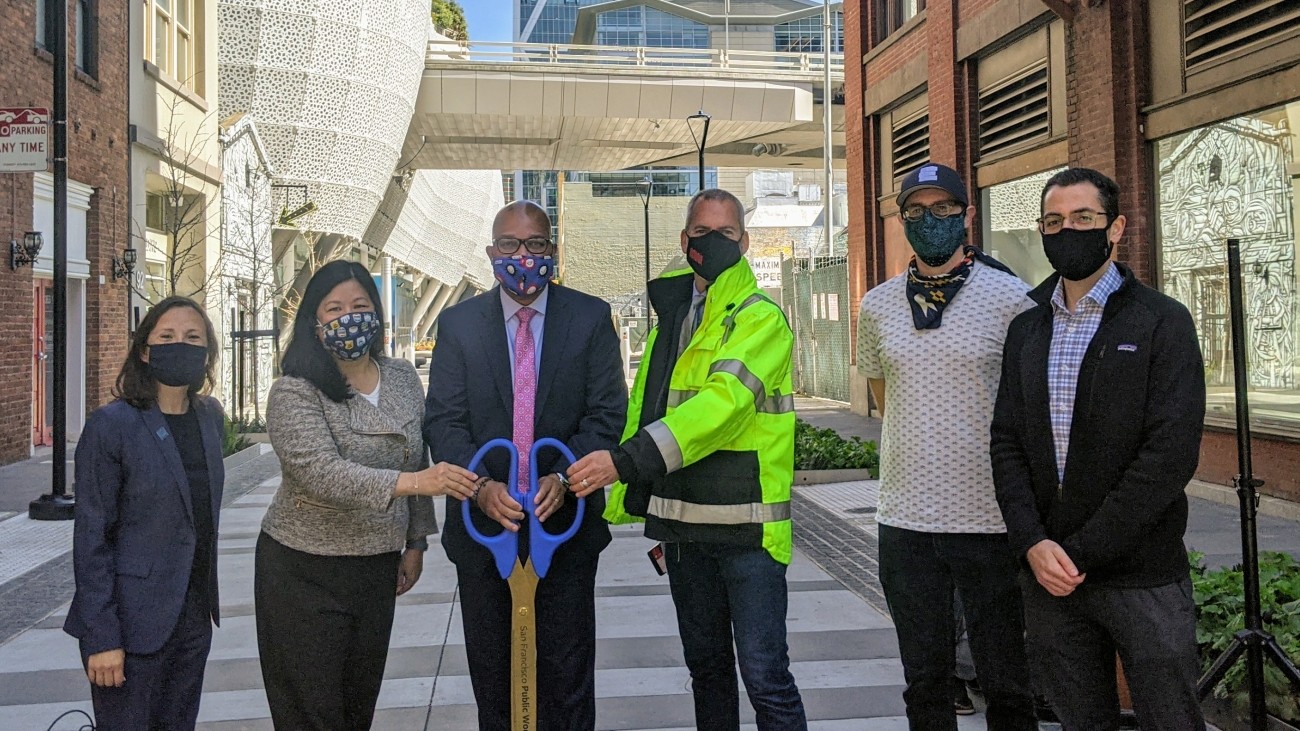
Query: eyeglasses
pixel 942 209
pixel 1052 222
pixel 537 245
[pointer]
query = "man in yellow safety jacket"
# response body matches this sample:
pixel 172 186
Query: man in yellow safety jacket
pixel 707 460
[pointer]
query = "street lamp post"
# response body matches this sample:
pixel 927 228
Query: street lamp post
pixel 645 189
pixel 701 120
pixel 58 504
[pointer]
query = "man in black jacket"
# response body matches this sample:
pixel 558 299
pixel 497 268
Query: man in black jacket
pixel 1095 435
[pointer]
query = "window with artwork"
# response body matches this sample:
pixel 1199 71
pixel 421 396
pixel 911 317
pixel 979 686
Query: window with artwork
pixel 1237 179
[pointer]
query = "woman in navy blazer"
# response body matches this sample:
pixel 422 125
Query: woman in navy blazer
pixel 148 482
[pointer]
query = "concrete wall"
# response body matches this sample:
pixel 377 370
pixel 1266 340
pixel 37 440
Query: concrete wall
pixel 603 250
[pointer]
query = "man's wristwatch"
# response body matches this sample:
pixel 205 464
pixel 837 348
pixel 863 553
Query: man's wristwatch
pixel 564 481
pixel 418 544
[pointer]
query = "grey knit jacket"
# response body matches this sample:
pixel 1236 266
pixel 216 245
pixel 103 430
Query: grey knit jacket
pixel 340 464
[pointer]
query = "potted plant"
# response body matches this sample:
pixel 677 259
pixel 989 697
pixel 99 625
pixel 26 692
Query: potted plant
pixel 823 456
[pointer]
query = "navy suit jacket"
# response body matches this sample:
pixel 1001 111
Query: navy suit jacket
pixel 581 401
pixel 134 534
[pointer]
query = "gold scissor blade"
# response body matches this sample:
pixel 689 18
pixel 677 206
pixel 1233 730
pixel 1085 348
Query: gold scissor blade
pixel 523 641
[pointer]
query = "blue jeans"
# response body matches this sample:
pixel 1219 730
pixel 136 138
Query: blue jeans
pixel 723 593
pixel 919 572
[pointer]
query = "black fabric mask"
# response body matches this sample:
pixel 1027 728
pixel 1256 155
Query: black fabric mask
pixel 711 254
pixel 178 364
pixel 1077 255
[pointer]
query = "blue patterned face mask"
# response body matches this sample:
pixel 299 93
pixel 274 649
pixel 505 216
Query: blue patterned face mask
pixel 524 276
pixel 350 336
pixel 935 239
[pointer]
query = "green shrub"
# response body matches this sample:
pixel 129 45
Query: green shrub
pixel 1220 614
pixel 233 439
pixel 824 449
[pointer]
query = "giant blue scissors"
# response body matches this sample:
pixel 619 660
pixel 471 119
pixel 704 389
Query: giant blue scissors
pixel 523 577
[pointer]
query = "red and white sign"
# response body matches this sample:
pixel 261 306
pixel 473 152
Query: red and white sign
pixel 24 139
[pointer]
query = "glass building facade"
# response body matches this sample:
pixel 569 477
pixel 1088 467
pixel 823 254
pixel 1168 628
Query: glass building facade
pixel 643 26
pixel 556 22
pixel 805 35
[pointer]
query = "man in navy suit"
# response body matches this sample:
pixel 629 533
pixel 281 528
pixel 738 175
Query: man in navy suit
pixel 528 359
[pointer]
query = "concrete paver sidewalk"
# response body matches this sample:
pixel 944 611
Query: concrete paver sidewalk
pixel 843 651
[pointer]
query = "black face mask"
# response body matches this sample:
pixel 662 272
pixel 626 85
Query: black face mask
pixel 1077 255
pixel 178 364
pixel 711 254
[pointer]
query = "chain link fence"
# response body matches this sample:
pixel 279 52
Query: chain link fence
pixel 816 301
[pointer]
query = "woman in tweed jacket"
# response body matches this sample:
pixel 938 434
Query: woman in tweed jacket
pixel 346 531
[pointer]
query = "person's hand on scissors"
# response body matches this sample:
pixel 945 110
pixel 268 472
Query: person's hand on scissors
pixel 550 496
pixel 592 473
pixel 495 502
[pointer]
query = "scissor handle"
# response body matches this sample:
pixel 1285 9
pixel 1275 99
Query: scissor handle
pixel 541 544
pixel 505 545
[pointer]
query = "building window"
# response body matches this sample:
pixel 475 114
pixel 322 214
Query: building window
pixel 682 182
pixel 649 27
pixel 86 34
pixel 892 14
pixel 805 35
pixel 1236 179
pixel 171 36
pixel 1010 211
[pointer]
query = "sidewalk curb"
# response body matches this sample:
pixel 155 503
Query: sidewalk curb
pixel 1225 495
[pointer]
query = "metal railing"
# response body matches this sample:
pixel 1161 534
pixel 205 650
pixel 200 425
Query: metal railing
pixel 441 51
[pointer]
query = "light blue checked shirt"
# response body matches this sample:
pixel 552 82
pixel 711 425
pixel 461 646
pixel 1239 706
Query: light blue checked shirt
pixel 1071 334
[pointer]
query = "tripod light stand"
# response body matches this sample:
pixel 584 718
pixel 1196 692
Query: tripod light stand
pixel 1254 641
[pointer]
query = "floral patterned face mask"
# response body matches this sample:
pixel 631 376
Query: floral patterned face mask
pixel 350 336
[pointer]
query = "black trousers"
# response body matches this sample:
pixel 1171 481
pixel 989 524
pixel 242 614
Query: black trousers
pixel 1074 640
pixel 566 646
pixel 323 624
pixel 162 690
pixel 919 572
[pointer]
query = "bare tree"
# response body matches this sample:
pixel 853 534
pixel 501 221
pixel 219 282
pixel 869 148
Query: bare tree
pixel 179 211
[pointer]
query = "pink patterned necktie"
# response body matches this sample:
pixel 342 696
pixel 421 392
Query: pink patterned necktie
pixel 525 392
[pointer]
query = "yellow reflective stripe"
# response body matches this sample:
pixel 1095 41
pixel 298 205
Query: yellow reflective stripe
pixel 743 374
pixel 684 512
pixel 669 449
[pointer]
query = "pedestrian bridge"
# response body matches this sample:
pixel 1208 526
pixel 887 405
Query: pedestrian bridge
pixel 495 105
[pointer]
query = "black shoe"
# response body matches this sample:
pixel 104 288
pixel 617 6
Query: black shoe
pixel 1043 710
pixel 961 702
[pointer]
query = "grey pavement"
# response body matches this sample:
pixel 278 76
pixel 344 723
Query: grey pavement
pixel 842 644
pixel 843 651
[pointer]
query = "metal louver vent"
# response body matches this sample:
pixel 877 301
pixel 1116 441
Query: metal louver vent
pixel 1014 112
pixel 911 144
pixel 1216 29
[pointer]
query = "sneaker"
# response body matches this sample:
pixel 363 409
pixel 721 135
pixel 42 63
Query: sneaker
pixel 961 702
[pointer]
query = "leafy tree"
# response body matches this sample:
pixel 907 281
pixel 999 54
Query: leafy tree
pixel 449 18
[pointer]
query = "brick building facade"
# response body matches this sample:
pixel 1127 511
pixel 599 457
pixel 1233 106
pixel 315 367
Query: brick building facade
pixel 1192 107
pixel 98 214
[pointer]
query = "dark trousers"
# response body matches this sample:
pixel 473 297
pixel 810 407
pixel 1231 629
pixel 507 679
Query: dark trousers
pixel 918 572
pixel 565 612
pixel 1074 640
pixel 727 594
pixel 323 624
pixel 162 690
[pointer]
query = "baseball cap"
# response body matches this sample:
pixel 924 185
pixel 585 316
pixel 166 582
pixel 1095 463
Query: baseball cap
pixel 934 175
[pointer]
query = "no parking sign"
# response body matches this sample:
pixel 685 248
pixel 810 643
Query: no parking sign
pixel 24 139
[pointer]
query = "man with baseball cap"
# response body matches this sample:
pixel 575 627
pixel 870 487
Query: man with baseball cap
pixel 930 345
